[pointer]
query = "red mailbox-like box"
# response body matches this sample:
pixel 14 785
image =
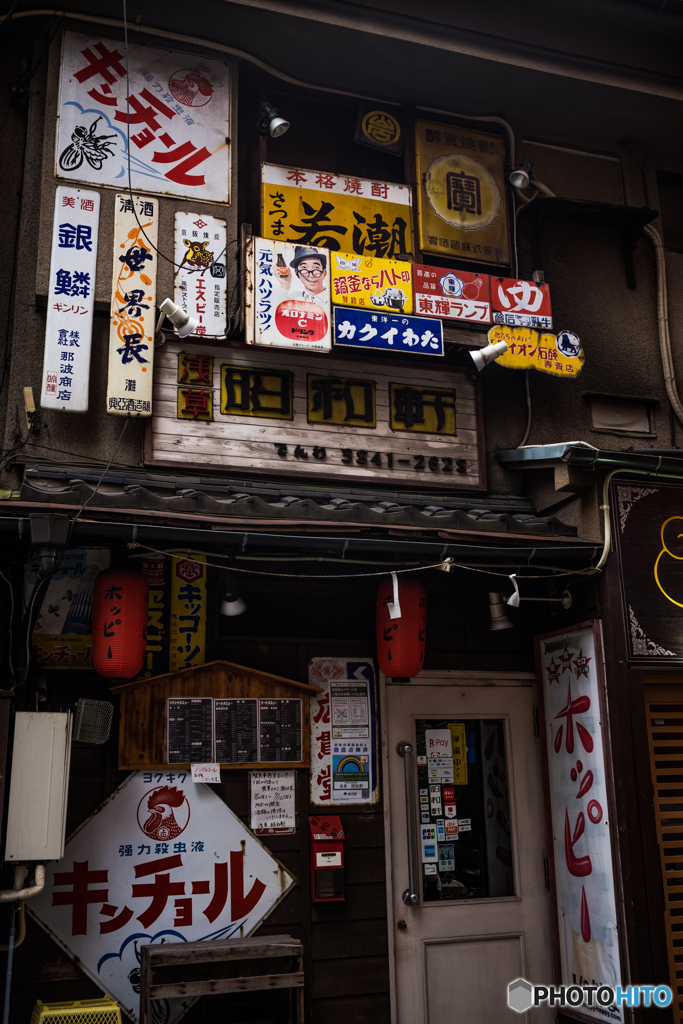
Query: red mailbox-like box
pixel 327 858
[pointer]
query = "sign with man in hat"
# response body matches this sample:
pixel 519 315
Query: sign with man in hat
pixel 288 295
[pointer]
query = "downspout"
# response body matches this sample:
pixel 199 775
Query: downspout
pixel 10 896
pixel 663 321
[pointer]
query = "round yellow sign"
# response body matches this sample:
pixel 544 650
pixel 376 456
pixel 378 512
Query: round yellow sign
pixel 381 128
pixel 462 192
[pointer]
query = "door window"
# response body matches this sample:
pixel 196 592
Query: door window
pixel 463 809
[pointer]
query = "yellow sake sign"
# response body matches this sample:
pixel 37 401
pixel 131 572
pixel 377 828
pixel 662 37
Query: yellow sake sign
pixel 558 354
pixel 371 283
pixel 459 745
pixel 462 207
pixel 336 211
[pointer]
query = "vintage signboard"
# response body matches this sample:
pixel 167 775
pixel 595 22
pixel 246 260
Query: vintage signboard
pixel 287 297
pixel 343 732
pixel 157 573
pixel 359 328
pixel 647 524
pixel 200 282
pixel 277 413
pixel 71 300
pixel 379 128
pixel 179 119
pixel 559 355
pixel 62 636
pixel 371 283
pixel 521 303
pixel 163 860
pixel 453 295
pixel 462 205
pixel 133 306
pixel 336 211
pixel 579 812
pixel 188 612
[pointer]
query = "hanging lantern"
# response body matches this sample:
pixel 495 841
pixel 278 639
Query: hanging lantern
pixel 401 627
pixel 119 623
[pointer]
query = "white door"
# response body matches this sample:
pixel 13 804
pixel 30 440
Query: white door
pixel 483 916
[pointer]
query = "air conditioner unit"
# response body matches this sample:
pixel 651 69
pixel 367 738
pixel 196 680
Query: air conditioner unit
pixel 36 818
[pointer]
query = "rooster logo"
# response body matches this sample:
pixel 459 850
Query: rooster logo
pixel 157 813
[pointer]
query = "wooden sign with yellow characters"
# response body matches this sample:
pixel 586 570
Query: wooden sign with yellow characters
pixel 371 283
pixel 560 354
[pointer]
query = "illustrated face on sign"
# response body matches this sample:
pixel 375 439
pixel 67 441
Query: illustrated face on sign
pixel 312 274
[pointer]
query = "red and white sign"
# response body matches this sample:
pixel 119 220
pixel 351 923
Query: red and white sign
pixel 579 827
pixel 164 860
pixel 452 294
pixel 200 282
pixel 521 303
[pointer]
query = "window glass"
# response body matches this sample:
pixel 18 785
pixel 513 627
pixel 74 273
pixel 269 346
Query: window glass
pixel 464 810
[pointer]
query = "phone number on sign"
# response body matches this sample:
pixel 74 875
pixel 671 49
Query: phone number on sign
pixel 363 457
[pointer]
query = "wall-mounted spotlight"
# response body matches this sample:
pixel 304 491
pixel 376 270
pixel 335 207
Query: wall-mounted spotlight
pixel 521 176
pixel 269 122
pixel 481 357
pixel 183 323
pixel 499 617
pixel 232 603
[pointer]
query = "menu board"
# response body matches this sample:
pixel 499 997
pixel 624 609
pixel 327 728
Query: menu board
pixel 190 730
pixel 280 729
pixel 236 728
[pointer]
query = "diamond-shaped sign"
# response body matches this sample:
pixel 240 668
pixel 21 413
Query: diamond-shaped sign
pixel 163 860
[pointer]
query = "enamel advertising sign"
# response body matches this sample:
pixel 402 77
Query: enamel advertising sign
pixel 370 283
pixel 462 205
pixel 359 328
pixel 521 303
pixel 200 284
pixel 336 211
pixel 163 860
pixel 71 300
pixel 559 355
pixel 288 296
pixel 454 295
pixel 179 111
pixel 579 804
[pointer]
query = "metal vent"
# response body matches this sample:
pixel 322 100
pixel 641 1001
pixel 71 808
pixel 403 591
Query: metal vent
pixel 93 721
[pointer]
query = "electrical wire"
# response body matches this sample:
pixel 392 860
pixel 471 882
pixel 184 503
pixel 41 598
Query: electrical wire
pixel 104 471
pixel 528 411
pixel 11 623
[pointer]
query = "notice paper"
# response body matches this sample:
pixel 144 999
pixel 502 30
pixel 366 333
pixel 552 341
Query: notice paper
pixel 273 804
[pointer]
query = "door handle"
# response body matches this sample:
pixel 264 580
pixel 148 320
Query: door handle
pixel 405 750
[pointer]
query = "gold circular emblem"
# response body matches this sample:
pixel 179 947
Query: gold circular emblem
pixel 381 128
pixel 462 192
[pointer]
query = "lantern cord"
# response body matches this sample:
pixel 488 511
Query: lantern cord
pixel 445 564
pixel 104 472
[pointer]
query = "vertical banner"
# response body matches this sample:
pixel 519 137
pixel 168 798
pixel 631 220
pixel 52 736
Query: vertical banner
pixel 71 300
pixel 156 571
pixel 343 732
pixel 201 281
pixel 188 612
pixel 133 306
pixel 578 806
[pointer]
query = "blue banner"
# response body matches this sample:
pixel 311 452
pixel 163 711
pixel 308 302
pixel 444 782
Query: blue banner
pixel 361 328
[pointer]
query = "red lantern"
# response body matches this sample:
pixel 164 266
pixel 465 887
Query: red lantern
pixel 401 641
pixel 119 623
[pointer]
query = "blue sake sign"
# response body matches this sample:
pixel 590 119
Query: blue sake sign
pixel 361 328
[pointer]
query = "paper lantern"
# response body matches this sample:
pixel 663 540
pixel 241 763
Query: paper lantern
pixel 119 623
pixel 401 641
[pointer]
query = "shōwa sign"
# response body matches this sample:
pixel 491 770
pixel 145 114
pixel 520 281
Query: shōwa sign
pixel 164 860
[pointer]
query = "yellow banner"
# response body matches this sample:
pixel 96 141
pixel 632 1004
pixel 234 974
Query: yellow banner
pixel 531 350
pixel 371 283
pixel 462 205
pixel 188 612
pixel 458 743
pixel 336 211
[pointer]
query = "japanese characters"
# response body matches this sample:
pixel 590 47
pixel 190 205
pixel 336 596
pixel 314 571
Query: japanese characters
pixel 357 328
pixel 131 333
pixel 560 356
pixel 177 118
pixel 371 283
pixel 71 300
pixel 188 613
pixel 452 294
pixel 200 287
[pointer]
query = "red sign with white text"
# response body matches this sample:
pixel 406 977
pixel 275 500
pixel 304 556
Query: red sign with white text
pixel 452 294
pixel 521 303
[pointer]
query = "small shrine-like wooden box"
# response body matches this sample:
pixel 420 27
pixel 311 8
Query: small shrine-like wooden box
pixel 144 730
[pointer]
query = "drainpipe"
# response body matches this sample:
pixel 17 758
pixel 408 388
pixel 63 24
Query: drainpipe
pixel 17 892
